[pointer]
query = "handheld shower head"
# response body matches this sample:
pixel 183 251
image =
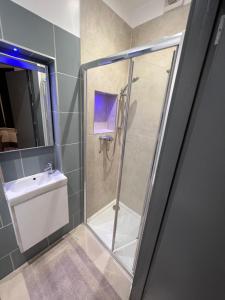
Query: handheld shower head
pixel 123 90
pixel 135 79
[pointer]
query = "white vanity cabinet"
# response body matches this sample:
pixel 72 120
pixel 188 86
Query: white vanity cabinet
pixel 38 205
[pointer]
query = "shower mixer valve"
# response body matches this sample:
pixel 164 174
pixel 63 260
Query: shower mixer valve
pixel 105 139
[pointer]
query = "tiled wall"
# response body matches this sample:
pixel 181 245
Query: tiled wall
pixel 103 33
pixel 27 30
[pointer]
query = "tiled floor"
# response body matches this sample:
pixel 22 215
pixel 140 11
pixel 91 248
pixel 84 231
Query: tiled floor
pixel 82 254
pixel 126 239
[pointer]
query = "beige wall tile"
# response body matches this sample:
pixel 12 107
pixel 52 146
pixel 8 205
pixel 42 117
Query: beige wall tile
pixel 168 24
pixel 104 33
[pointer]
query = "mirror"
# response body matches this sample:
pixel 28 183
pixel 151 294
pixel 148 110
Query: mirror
pixel 25 108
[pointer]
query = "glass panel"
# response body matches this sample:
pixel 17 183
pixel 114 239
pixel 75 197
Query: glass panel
pixel 150 81
pixel 103 146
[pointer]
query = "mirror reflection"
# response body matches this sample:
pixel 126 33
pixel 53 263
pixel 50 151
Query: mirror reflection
pixel 25 114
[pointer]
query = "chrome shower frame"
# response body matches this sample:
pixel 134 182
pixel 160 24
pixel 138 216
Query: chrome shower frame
pixel 167 42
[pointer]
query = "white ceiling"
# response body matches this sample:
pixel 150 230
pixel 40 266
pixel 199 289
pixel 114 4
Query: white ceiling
pixel 137 12
pixel 63 13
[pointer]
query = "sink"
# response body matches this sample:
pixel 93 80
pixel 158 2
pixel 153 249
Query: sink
pixel 22 189
pixel 38 206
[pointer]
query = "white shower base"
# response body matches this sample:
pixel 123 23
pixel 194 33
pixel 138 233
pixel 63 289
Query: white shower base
pixel 128 224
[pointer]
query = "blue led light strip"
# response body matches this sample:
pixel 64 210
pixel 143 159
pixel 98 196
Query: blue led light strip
pixel 20 63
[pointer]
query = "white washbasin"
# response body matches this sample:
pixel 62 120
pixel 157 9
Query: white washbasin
pixel 26 188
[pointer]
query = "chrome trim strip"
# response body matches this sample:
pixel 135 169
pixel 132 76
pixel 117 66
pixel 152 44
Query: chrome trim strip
pixel 84 85
pixel 166 42
pixel 122 153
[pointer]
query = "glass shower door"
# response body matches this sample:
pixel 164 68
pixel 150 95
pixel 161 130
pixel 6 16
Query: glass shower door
pixel 150 85
pixel 105 89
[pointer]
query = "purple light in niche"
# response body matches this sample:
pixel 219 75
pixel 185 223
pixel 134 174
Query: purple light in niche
pixel 15 49
pixel 105 112
pixel 100 108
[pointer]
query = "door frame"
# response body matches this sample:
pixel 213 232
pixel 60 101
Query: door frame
pixel 199 30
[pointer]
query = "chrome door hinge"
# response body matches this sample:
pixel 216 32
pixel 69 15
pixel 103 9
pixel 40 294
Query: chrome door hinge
pixel 219 30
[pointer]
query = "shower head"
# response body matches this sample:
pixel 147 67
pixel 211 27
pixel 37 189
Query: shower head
pixel 135 79
pixel 123 90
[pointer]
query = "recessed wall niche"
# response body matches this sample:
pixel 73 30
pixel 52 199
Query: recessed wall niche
pixel 105 112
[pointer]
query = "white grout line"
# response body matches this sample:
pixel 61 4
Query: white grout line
pixel 4 226
pixel 54 41
pixel 11 261
pixel 66 112
pixel 14 250
pixel 22 164
pixel 8 254
pixel 60 145
pixel 4 257
pixel 39 147
pixel 68 75
pixel 1 28
pixel 75 170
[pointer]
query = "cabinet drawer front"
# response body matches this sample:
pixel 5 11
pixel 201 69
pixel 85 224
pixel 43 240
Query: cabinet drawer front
pixel 39 217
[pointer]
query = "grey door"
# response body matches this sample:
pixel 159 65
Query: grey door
pixel 189 260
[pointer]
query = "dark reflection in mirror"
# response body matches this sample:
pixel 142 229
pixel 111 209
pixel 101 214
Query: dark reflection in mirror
pixel 23 108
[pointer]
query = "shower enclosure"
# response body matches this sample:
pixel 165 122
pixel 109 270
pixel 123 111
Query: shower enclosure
pixel 127 101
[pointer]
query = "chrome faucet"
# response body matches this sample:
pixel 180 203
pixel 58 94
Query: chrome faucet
pixel 49 168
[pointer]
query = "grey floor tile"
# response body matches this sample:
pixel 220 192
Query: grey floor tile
pixel 24 28
pixel 70 128
pixel 67 52
pixel 7 240
pixel 35 160
pixel 69 93
pixel 71 157
pixel 20 258
pixel 5 266
pixel 75 183
pixel 11 165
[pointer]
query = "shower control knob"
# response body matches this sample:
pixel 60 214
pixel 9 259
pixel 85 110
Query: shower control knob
pixel 107 138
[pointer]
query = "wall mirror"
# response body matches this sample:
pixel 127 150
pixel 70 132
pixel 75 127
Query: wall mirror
pixel 25 106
